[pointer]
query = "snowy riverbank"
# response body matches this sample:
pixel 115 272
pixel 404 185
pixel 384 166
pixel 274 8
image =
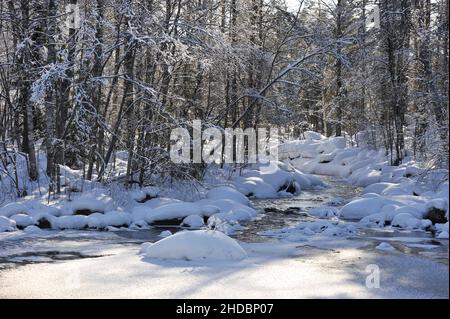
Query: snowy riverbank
pixel 296 235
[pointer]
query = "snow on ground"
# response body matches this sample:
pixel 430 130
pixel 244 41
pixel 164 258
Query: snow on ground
pixel 270 271
pixel 100 208
pixel 389 191
pixel 322 256
pixel 96 209
pixel 402 196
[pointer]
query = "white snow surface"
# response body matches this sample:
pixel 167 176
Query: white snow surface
pixel 195 245
pixel 271 270
pixel 385 246
pixel 193 222
pixel 226 192
pixel 7 224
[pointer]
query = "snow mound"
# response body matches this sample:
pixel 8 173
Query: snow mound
pixel 224 202
pixel 324 212
pixel 22 220
pixel 195 245
pixel 443 235
pixel 324 228
pixel 377 220
pixel 71 222
pixel 94 201
pixel 32 229
pixel 226 192
pixel 229 210
pixel 7 224
pixel 442 229
pixel 313 136
pixel 405 220
pixel 377 188
pixel 12 209
pixel 255 187
pixel 362 166
pixel 361 208
pixel 227 227
pixel 385 246
pixel 274 179
pixel 112 218
pixel 146 193
pixel 173 211
pixel 165 233
pixel 193 222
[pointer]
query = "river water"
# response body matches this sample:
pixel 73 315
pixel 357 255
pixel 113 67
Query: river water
pixel 274 214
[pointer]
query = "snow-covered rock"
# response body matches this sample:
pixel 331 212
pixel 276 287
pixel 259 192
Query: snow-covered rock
pixel 225 202
pixel 313 136
pixel 159 201
pixel 7 224
pixel 377 220
pixel 195 245
pixel 324 212
pixel 274 176
pixel 89 203
pixel 22 220
pixel 405 220
pixel 255 187
pixel 165 233
pixel 145 193
pixel 112 218
pixel 12 209
pixel 362 207
pixel 442 227
pixel 175 210
pixel 227 227
pixel 226 192
pixel 442 230
pixel 71 222
pixel 326 157
pixel 229 210
pixel 438 203
pixel 32 229
pixel 443 235
pixel 319 227
pixel 45 220
pixel 193 222
pixel 385 246
pixel 331 144
pixel 377 188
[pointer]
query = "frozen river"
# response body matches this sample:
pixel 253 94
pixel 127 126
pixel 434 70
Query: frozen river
pixel 63 264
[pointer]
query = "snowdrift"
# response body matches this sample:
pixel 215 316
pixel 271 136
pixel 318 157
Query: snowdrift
pixel 195 245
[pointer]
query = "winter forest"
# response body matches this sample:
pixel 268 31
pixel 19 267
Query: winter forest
pixel 92 91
